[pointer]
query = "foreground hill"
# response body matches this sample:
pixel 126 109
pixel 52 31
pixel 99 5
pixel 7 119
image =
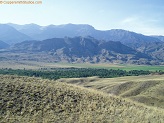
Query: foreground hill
pixel 144 89
pixel 25 99
pixel 81 49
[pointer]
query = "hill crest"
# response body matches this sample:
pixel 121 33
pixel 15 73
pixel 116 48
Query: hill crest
pixel 29 99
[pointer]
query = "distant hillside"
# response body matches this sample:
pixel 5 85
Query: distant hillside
pixel 29 100
pixel 3 45
pixel 10 35
pixel 80 49
pixel 54 31
pixel 71 30
pixel 29 29
pixel 159 37
pixel 128 37
pixel 154 49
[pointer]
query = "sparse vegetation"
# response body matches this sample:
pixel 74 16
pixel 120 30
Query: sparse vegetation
pixel 30 99
pixel 144 89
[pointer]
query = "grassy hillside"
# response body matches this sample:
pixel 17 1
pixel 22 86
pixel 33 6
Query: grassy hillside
pixel 145 89
pixel 27 99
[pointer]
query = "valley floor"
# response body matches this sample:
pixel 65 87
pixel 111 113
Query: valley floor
pixel 35 65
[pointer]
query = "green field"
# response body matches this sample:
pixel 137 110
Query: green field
pixel 142 67
pixel 38 65
pixel 116 66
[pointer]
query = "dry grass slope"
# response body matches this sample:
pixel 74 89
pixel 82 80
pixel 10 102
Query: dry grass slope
pixel 25 100
pixel 144 89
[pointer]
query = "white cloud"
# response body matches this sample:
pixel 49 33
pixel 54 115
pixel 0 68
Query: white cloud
pixel 129 20
pixel 142 25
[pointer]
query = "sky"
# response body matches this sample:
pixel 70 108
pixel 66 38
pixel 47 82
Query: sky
pixel 141 16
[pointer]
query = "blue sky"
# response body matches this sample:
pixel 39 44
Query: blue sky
pixel 142 16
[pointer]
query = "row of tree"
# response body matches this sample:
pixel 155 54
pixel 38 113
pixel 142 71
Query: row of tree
pixel 74 73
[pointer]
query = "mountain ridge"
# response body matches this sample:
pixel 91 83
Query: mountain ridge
pixel 82 49
pixel 10 35
pixel 147 45
pixel 73 30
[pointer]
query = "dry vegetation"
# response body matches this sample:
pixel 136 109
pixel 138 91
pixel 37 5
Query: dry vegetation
pixel 29 99
pixel 145 89
pixel 21 64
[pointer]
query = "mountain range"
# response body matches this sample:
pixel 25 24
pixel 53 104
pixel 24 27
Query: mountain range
pixel 74 41
pixel 10 35
pixel 80 49
pixel 37 32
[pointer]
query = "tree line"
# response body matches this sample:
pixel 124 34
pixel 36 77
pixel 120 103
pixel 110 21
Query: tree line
pixel 74 73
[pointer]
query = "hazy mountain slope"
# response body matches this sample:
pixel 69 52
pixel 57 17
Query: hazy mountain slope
pixel 72 30
pixel 51 31
pixel 129 37
pixel 26 100
pixel 139 42
pixel 25 26
pixel 80 49
pixel 3 45
pixel 159 37
pixel 10 35
pixel 62 31
pixel 28 29
pixel 144 89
